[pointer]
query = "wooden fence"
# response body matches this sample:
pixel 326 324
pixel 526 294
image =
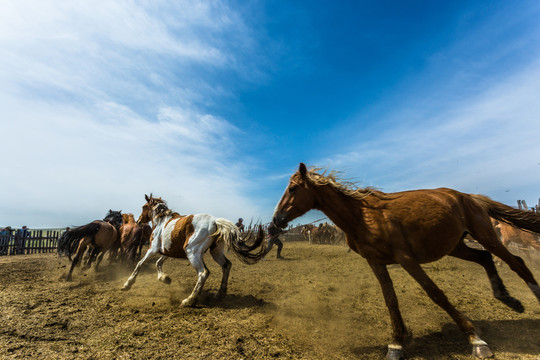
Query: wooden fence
pixel 39 241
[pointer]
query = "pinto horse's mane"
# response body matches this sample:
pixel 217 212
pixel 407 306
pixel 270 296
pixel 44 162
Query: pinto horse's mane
pixel 348 187
pixel 162 210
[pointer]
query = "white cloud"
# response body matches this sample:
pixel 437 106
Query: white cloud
pixel 487 144
pixel 99 107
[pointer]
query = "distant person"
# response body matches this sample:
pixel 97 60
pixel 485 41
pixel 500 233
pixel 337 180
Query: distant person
pixel 240 225
pixel 23 232
pixel 20 239
pixel 5 236
pixel 274 239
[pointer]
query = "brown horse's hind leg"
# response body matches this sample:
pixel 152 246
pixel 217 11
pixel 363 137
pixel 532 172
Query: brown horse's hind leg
pixel 480 348
pixel 400 334
pixel 99 259
pixel 493 245
pixel 485 259
pixel 93 253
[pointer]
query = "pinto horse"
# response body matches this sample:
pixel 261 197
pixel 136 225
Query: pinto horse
pixel 189 237
pixel 411 228
pixel 99 235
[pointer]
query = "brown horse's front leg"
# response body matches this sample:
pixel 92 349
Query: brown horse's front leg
pixel 480 348
pixel 400 334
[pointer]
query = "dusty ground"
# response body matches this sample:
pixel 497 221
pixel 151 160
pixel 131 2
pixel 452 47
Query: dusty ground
pixel 319 303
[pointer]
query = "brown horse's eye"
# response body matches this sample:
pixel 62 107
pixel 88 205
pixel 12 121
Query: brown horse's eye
pixel 292 188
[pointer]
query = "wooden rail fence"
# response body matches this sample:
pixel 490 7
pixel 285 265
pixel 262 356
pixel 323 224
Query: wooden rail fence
pixel 39 241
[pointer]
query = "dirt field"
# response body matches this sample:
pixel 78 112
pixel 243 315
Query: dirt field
pixel 319 303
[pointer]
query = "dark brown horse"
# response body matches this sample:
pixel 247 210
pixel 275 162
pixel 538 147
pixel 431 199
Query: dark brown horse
pixel 99 235
pixel 410 228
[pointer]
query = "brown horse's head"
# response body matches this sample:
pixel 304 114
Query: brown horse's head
pixel 147 209
pixel 296 201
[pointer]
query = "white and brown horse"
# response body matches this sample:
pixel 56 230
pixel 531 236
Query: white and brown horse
pixel 189 237
pixel 411 228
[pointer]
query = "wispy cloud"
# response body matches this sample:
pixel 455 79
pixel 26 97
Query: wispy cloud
pixel 487 143
pixel 102 105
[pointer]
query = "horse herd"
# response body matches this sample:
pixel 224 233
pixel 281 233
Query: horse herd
pixel 117 233
pixel 324 234
pixel 407 228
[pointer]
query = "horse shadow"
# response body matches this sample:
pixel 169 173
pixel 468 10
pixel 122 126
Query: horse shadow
pixel 285 258
pixel 520 336
pixel 230 301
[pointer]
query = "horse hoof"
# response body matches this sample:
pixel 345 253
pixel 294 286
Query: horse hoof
pixel 165 279
pixel 482 351
pixel 188 303
pixel 395 352
pixel 126 287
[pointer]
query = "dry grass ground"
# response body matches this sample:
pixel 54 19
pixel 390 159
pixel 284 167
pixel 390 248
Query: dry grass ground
pixel 319 303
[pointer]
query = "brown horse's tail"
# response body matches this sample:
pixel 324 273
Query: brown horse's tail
pixel 70 241
pixel 526 220
pixel 237 241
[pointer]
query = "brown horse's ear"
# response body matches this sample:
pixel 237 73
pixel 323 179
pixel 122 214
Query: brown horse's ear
pixel 147 198
pixel 302 170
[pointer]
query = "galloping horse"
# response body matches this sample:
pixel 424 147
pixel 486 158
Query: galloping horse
pixel 132 237
pixel 190 236
pixel 100 235
pixel 410 228
pixel 508 234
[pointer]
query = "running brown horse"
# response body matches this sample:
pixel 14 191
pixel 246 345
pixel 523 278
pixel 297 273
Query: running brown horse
pixel 509 234
pixel 132 238
pixel 99 235
pixel 411 228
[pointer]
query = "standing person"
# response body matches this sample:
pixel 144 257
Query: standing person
pixel 273 238
pixel 5 237
pixel 240 225
pixel 25 232
pixel 20 239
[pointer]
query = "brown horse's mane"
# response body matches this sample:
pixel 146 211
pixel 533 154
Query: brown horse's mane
pixel 347 187
pixel 127 217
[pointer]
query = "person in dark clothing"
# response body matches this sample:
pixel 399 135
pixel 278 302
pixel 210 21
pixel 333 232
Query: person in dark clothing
pixel 20 239
pixel 240 225
pixel 24 232
pixel 273 239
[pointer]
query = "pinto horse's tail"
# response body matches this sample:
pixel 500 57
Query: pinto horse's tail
pixel 237 241
pixel 69 242
pixel 525 220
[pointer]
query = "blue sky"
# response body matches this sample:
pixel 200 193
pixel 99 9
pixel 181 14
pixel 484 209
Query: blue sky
pixel 213 104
